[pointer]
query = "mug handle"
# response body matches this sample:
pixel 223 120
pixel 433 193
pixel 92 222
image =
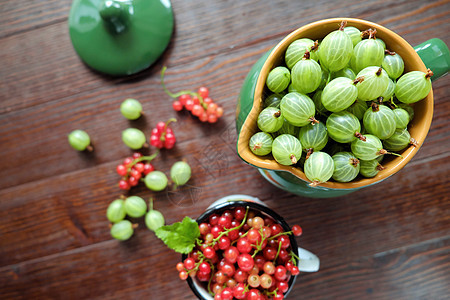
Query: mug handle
pixel 309 262
pixel 436 56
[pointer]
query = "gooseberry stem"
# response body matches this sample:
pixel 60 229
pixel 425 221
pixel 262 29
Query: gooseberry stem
pixel 429 74
pixel 413 142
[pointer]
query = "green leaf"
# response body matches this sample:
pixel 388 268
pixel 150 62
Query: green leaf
pixel 180 236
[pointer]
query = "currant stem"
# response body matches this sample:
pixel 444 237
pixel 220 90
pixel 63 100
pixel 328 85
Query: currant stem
pixel 279 234
pixel 163 134
pixel 146 158
pixel 176 95
pixel 214 241
pixel 210 280
pixel 278 252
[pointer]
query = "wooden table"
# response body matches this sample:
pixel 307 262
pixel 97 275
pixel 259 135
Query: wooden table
pixel 388 241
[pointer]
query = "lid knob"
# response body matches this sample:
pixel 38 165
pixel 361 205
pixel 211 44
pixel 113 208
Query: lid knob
pixel 115 14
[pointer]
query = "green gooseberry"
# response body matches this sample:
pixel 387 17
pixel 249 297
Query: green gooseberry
pixel 156 181
pixel 116 211
pixel 154 219
pixel 278 79
pixel 131 109
pixel 180 173
pixel 270 119
pixel 319 167
pixel 135 206
pixel 346 166
pixel 122 230
pixel 286 149
pixel 358 108
pixel 79 140
pixel 370 168
pixel 133 138
pixel 401 117
pixel 261 143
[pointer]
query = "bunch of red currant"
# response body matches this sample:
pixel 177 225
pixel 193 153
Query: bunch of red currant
pixel 242 255
pixel 133 168
pixel 199 104
pixel 162 135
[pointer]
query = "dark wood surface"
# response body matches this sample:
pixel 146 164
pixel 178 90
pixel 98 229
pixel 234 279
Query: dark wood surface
pixel 388 241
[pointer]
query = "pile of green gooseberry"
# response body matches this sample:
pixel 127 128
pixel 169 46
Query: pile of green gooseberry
pixel 344 101
pixel 135 207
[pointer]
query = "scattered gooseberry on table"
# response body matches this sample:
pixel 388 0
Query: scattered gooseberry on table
pixel 80 140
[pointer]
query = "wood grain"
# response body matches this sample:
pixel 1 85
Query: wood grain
pixel 387 241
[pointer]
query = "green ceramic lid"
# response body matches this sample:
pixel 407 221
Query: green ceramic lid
pixel 120 37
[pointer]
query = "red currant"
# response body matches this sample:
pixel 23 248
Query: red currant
pixel 297 230
pixel 189 263
pixel 278 296
pixel 211 108
pixel 245 262
pixel 253 294
pixel 240 275
pixel 180 266
pixel 183 275
pixel 133 181
pixel 282 286
pixel 189 104
pixel 228 269
pixel 280 273
pixel 127 161
pixel 169 140
pixel 203 92
pixel 196 100
pixel 243 245
pixel 177 105
pixel 148 167
pixel 239 213
pixel 161 126
pixel 227 294
pixel 231 254
pixel 197 110
pixel 209 252
pixel 285 241
pixel 135 173
pixel 225 222
pixel 204 267
pixel 139 167
pixel 295 270
pixel 124 185
pixel 269 268
pixel 202 276
pixel 212 118
pixel 183 98
pixel 121 170
pixel 224 243
pixel 204 228
pixel 239 291
pixel 203 117
pixel 207 100
pixel 219 112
